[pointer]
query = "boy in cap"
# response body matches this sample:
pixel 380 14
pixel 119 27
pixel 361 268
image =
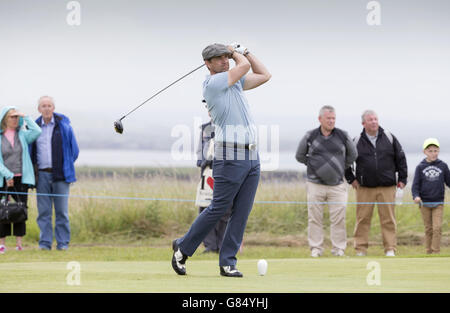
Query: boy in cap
pixel 428 190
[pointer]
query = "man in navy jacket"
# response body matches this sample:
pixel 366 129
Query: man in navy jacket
pixel 380 168
pixel 53 155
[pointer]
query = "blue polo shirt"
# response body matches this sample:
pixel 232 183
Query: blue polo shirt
pixel 229 110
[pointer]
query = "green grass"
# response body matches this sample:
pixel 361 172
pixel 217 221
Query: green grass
pixel 124 245
pixel 148 269
pixel 113 220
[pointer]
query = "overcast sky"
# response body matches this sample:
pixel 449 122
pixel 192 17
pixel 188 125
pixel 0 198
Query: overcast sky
pixel 318 51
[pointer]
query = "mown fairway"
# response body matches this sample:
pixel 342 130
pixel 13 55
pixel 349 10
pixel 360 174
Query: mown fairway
pixel 48 272
pixel 123 245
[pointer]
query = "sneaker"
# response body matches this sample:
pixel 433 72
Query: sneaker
pixel 178 259
pixel 315 253
pixel 2 249
pixel 390 253
pixel 230 271
pixel 361 253
pixel 19 248
pixel 338 252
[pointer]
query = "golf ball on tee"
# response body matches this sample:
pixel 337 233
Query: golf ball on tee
pixel 262 267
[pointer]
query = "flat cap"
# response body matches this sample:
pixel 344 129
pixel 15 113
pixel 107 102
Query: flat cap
pixel 215 50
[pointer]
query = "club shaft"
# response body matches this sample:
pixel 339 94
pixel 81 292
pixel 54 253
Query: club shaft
pixel 162 91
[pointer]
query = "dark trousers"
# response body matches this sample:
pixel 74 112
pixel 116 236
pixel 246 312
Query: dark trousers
pixel 235 184
pixel 19 228
pixel 213 241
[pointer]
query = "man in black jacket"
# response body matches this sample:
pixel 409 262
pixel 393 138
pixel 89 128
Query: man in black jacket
pixel 380 168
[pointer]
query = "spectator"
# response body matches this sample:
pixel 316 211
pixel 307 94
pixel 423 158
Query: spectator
pixel 54 154
pixel 326 151
pixel 428 190
pixel 380 158
pixel 16 169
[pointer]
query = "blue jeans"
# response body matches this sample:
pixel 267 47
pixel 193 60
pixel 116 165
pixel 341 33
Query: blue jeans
pixel 235 184
pixel 46 185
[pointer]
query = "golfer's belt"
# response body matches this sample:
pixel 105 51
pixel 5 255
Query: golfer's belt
pixel 247 146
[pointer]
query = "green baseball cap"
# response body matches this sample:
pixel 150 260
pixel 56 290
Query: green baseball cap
pixel 429 142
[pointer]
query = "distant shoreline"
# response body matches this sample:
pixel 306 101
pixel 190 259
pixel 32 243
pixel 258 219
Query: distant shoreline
pixel 152 159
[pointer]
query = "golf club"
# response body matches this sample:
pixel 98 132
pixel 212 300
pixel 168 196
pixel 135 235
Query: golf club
pixel 118 126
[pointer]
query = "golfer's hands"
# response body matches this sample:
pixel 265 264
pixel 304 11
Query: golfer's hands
pixel 417 199
pixel 355 184
pixel 10 183
pixel 401 185
pixel 231 51
pixel 239 48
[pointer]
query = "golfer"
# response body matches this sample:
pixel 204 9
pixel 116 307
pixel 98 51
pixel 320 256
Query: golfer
pixel 236 166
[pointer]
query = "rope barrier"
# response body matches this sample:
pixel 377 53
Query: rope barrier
pixel 190 200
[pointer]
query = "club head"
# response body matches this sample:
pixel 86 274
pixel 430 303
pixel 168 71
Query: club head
pixel 118 126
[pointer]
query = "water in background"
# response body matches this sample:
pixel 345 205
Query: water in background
pixel 149 158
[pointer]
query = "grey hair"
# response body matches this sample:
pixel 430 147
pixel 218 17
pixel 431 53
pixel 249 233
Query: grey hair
pixel 46 97
pixel 326 108
pixel 367 112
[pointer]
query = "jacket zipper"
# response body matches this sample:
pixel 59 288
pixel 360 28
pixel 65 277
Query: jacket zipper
pixel 376 161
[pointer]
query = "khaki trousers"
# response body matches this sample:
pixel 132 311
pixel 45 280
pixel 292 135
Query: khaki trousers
pixel 336 198
pixel 366 198
pixel 432 218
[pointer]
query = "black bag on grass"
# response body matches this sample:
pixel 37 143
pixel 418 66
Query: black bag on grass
pixel 13 212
